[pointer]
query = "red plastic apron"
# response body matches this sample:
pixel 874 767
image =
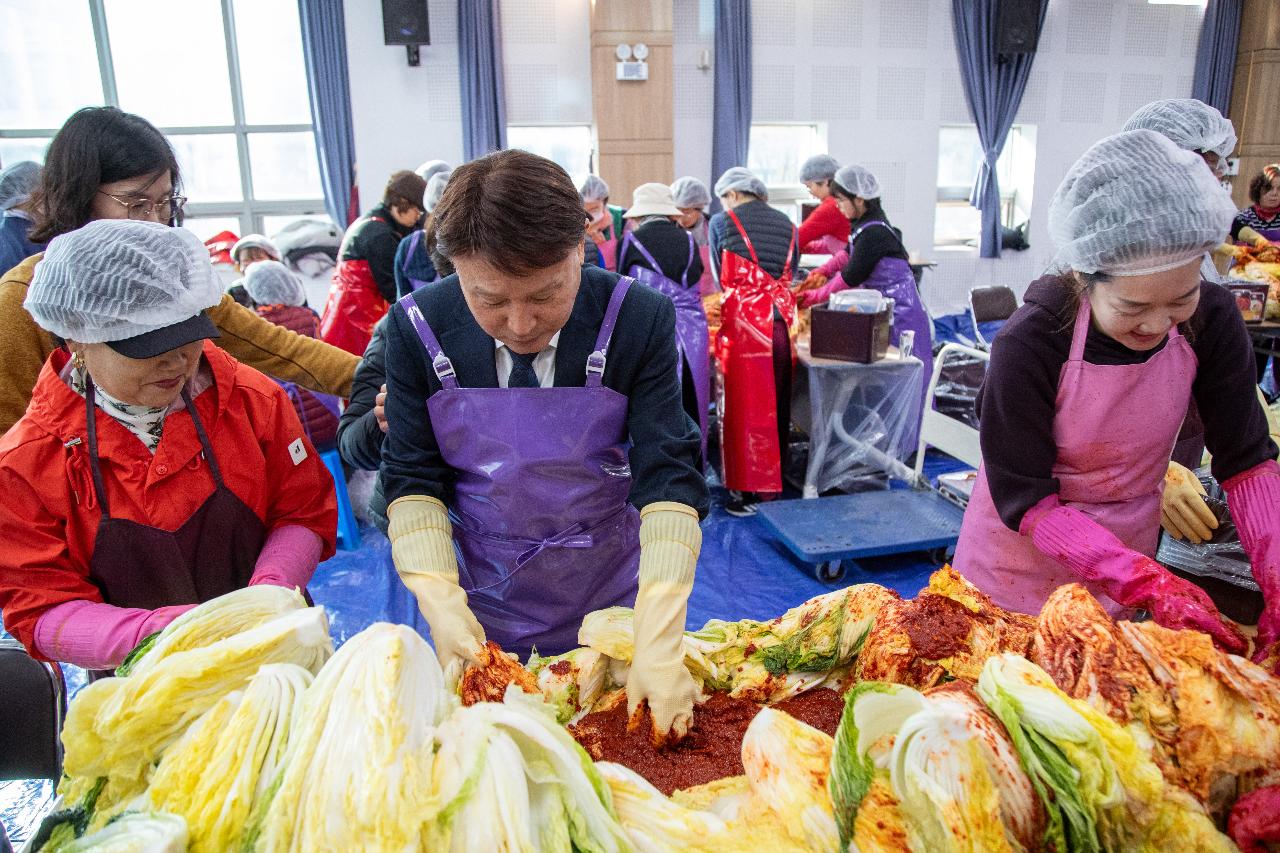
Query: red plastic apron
pixel 354 306
pixel 1115 426
pixel 748 402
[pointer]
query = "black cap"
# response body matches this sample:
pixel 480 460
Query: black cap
pixel 160 341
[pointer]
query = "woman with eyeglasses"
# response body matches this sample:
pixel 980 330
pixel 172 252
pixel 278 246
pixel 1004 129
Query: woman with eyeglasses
pixel 109 164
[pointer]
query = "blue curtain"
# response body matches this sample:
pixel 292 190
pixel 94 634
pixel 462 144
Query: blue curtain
pixel 993 86
pixel 1216 54
pixel 484 107
pixel 731 110
pixel 324 50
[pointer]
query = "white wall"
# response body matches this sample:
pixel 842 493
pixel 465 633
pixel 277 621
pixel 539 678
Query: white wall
pixel 546 48
pixel 882 75
pixel 402 116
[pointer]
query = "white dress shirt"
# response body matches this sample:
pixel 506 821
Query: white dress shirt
pixel 544 363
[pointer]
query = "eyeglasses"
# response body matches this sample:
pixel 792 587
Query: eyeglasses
pixel 166 209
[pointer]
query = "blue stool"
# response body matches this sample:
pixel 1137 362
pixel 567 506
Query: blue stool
pixel 348 527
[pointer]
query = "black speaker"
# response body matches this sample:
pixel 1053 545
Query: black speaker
pixel 1017 26
pixel 405 22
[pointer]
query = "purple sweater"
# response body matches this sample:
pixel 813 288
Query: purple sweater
pixel 1016 405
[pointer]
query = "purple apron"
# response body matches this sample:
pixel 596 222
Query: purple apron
pixel 416 283
pixel 541 523
pixel 692 340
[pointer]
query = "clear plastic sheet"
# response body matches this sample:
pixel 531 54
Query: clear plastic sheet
pixel 862 419
pixel 1222 557
pixel 957 392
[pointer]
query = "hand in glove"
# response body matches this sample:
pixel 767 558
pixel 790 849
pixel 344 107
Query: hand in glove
pixel 1095 554
pixel 1255 820
pixel 1254 499
pixel 813 281
pixel 1183 511
pixel 670 540
pixel 422 549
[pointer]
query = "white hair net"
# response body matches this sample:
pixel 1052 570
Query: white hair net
pixel 819 167
pixel 432 167
pixel 115 279
pixel 594 189
pixel 272 283
pixel 858 181
pixel 17 182
pixel 690 192
pixel 435 189
pixel 742 180
pixel 254 241
pixel 1190 124
pixel 1135 203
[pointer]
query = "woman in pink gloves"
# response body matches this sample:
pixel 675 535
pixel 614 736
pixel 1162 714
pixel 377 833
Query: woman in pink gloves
pixel 151 471
pixel 1087 388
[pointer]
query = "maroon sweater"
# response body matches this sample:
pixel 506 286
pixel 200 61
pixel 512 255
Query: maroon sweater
pixel 1016 405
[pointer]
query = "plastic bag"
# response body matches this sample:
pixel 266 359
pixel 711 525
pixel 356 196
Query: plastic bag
pixel 1222 557
pixel 957 392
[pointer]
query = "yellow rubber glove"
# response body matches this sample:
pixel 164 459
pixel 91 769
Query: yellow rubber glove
pixel 1253 238
pixel 422 549
pixel 1183 511
pixel 670 540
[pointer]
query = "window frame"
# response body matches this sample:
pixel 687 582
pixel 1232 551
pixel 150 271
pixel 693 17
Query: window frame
pixel 791 198
pixel 950 196
pixel 247 210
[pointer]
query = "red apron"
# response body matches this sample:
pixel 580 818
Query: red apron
pixel 749 442
pixel 354 306
pixel 1114 426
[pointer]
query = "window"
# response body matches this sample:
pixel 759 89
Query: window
pixel 775 154
pixel 958 224
pixel 230 93
pixel 568 145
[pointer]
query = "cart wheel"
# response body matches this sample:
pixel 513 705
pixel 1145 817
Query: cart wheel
pixel 939 556
pixel 832 571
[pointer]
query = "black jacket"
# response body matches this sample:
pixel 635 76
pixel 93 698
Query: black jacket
pixel 669 245
pixel 359 437
pixel 770 231
pixel 376 242
pixel 642 365
pixel 872 245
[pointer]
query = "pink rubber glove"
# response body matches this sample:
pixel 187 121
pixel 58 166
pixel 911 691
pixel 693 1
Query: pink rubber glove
pixel 1254 499
pixel 98 636
pixel 833 266
pixel 1135 580
pixel 289 557
pixel 1255 820
pixel 809 298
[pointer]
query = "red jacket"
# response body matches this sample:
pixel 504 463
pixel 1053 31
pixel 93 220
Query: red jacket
pixel 48 512
pixel 827 219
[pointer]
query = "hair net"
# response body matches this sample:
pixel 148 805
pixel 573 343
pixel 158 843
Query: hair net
pixel 435 189
pixel 254 241
pixel 17 182
pixel 117 278
pixel 742 180
pixel 858 181
pixel 432 167
pixel 690 192
pixel 272 283
pixel 819 167
pixel 1135 203
pixel 1190 124
pixel 594 189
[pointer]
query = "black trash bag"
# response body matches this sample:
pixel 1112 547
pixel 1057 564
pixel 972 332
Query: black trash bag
pixel 957 392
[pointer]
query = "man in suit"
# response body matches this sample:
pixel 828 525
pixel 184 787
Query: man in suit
pixel 536 421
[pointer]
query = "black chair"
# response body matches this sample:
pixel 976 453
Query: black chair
pixel 990 304
pixel 33 705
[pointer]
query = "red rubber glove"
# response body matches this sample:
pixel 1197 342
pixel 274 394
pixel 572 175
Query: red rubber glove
pixel 1254 499
pixel 1135 580
pixel 1255 820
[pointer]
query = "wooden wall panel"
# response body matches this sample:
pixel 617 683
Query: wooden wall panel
pixel 1255 92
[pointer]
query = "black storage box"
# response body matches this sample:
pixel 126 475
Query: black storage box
pixel 849 336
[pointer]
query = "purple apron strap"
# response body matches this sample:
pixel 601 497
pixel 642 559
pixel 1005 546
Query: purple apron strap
pixel 439 361
pixel 693 253
pixel 413 244
pixel 644 253
pixel 596 361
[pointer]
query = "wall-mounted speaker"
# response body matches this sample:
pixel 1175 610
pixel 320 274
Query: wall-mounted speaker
pixel 405 22
pixel 1017 26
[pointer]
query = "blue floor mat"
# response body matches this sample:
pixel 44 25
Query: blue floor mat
pixel 743 573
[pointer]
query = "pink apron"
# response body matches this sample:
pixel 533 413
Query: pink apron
pixel 609 249
pixel 1115 426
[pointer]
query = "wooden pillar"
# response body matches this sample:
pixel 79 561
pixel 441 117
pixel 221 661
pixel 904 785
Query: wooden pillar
pixel 633 120
pixel 1255 92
